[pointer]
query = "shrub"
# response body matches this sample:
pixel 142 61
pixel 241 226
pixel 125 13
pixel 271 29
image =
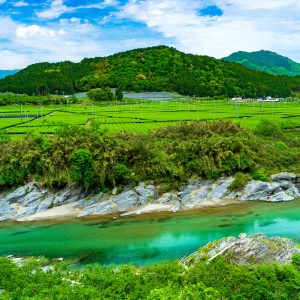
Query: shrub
pixel 296 260
pixel 239 182
pixel 82 167
pixel 101 94
pixel 269 129
pixel 260 175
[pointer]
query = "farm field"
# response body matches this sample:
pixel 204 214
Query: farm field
pixel 140 116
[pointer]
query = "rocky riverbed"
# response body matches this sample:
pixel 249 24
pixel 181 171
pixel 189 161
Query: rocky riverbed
pixel 33 202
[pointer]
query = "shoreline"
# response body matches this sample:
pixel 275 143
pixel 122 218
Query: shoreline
pixel 34 203
pixel 240 208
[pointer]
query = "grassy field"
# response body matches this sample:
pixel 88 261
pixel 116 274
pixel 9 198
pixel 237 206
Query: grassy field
pixel 141 116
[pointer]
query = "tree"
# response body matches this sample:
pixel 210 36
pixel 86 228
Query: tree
pixel 101 94
pixel 119 94
pixel 82 170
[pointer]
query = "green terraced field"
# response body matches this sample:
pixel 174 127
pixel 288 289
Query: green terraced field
pixel 142 116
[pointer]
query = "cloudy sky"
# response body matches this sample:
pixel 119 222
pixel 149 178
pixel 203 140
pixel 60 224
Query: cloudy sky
pixel 55 30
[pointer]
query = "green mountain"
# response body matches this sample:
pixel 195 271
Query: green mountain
pixel 150 69
pixel 5 73
pixel 266 61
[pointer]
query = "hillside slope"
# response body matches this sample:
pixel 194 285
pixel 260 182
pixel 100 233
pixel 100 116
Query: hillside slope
pixel 150 69
pixel 266 61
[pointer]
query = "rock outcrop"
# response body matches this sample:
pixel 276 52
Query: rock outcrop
pixel 31 200
pixel 251 250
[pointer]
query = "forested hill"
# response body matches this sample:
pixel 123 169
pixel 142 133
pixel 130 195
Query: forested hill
pixel 266 61
pixel 157 68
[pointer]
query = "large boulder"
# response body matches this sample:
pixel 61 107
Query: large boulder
pixel 146 193
pixel 269 191
pixel 255 249
pixel 127 200
pixel 285 176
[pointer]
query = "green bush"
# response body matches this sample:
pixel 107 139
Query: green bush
pixel 260 175
pixel 240 180
pixel 101 94
pixel 269 129
pixel 82 170
pixel 94 158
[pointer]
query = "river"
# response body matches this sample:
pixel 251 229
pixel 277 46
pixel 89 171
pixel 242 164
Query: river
pixel 148 239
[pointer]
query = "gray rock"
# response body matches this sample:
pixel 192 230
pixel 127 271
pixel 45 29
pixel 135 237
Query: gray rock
pixel 283 177
pixel 197 196
pixel 175 208
pixel 32 197
pixel 220 188
pixel 19 193
pixel 167 198
pixel 193 185
pixel 258 190
pixel 147 193
pixel 102 208
pixel 30 209
pixel 46 204
pixel 67 196
pixel 285 185
pixel 281 197
pixel 255 249
pixel 6 211
pixel 269 191
pixel 127 200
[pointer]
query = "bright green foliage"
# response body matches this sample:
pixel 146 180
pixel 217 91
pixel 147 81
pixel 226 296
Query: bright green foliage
pixel 266 61
pixel 260 175
pixel 101 94
pixel 8 99
pixel 269 129
pixel 150 69
pixel 172 154
pixel 169 281
pixel 82 170
pixel 240 180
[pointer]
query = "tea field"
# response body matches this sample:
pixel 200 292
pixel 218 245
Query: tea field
pixel 140 116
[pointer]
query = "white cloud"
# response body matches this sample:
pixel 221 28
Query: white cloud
pixel 11 60
pixel 72 39
pixel 20 3
pixel 34 31
pixel 245 25
pixel 58 8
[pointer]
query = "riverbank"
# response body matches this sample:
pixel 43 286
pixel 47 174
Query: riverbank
pixel 33 202
pixel 248 267
pixel 148 238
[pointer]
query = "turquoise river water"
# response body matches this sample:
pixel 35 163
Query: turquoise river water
pixel 148 239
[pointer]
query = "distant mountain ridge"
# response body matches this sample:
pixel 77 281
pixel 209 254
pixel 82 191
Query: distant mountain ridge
pixel 159 68
pixel 5 73
pixel 266 61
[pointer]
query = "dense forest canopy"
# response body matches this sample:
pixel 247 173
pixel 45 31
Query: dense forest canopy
pixel 150 69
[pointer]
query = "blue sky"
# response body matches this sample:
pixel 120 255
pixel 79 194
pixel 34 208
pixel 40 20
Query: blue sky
pixel 54 30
